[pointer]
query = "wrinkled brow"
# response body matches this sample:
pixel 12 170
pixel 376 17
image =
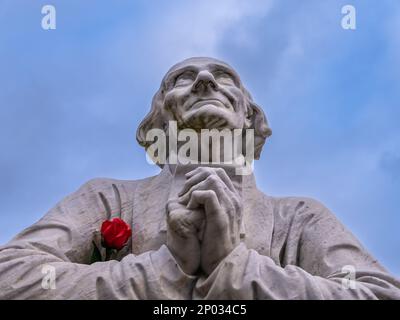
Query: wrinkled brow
pixel 170 78
pixel 220 67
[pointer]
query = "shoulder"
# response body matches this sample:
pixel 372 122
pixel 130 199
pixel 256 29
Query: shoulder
pixel 100 195
pixel 105 185
pixel 298 207
pixel 96 191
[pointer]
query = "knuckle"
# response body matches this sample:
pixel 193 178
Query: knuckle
pixel 171 217
pixel 202 169
pixel 219 171
pixel 175 215
pixel 211 193
pixel 196 193
pixel 172 204
pixel 214 180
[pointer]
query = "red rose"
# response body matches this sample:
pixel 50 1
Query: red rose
pixel 115 233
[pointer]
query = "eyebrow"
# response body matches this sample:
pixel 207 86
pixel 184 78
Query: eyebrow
pixel 179 71
pixel 213 67
pixel 227 70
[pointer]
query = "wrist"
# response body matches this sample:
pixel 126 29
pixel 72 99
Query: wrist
pixel 211 260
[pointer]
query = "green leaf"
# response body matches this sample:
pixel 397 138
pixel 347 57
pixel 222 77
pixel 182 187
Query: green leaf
pixel 96 255
pixel 109 253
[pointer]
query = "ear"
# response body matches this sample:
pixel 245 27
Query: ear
pixel 257 120
pixel 154 119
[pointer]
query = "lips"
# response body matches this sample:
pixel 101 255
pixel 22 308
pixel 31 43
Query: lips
pixel 214 102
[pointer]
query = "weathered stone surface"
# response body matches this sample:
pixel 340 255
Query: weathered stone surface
pixel 244 245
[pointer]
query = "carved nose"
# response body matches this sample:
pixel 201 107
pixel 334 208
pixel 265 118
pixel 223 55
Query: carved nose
pixel 204 81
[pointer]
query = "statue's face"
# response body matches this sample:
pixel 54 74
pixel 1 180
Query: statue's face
pixel 205 93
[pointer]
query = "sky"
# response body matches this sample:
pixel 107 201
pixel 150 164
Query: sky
pixel 72 98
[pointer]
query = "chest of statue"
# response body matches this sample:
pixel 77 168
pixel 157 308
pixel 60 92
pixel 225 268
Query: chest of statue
pixel 149 216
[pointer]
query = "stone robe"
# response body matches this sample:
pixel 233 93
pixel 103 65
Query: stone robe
pixel 291 248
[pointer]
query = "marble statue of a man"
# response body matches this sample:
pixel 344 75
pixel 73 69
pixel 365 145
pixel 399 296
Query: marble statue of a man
pixel 199 231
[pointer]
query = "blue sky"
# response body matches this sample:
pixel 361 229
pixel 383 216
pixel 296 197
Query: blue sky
pixel 71 99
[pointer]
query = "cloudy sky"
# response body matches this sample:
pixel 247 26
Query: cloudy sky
pixel 71 99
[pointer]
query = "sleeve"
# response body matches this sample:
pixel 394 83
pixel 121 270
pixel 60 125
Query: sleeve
pixel 60 246
pixel 323 261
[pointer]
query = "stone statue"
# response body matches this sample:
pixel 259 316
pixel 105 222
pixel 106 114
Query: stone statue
pixel 198 231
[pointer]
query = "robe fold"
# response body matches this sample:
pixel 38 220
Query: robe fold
pixel 291 248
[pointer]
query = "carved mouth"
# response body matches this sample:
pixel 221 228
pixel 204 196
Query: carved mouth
pixel 213 102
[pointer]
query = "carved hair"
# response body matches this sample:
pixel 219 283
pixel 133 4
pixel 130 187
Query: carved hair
pixel 158 118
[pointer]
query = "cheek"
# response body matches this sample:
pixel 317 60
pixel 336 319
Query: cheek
pixel 239 99
pixel 237 93
pixel 175 98
pixel 240 106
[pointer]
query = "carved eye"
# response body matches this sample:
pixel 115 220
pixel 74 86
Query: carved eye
pixel 224 78
pixel 184 79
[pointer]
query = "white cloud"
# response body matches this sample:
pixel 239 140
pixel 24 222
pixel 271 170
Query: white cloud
pixel 188 29
pixel 199 26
